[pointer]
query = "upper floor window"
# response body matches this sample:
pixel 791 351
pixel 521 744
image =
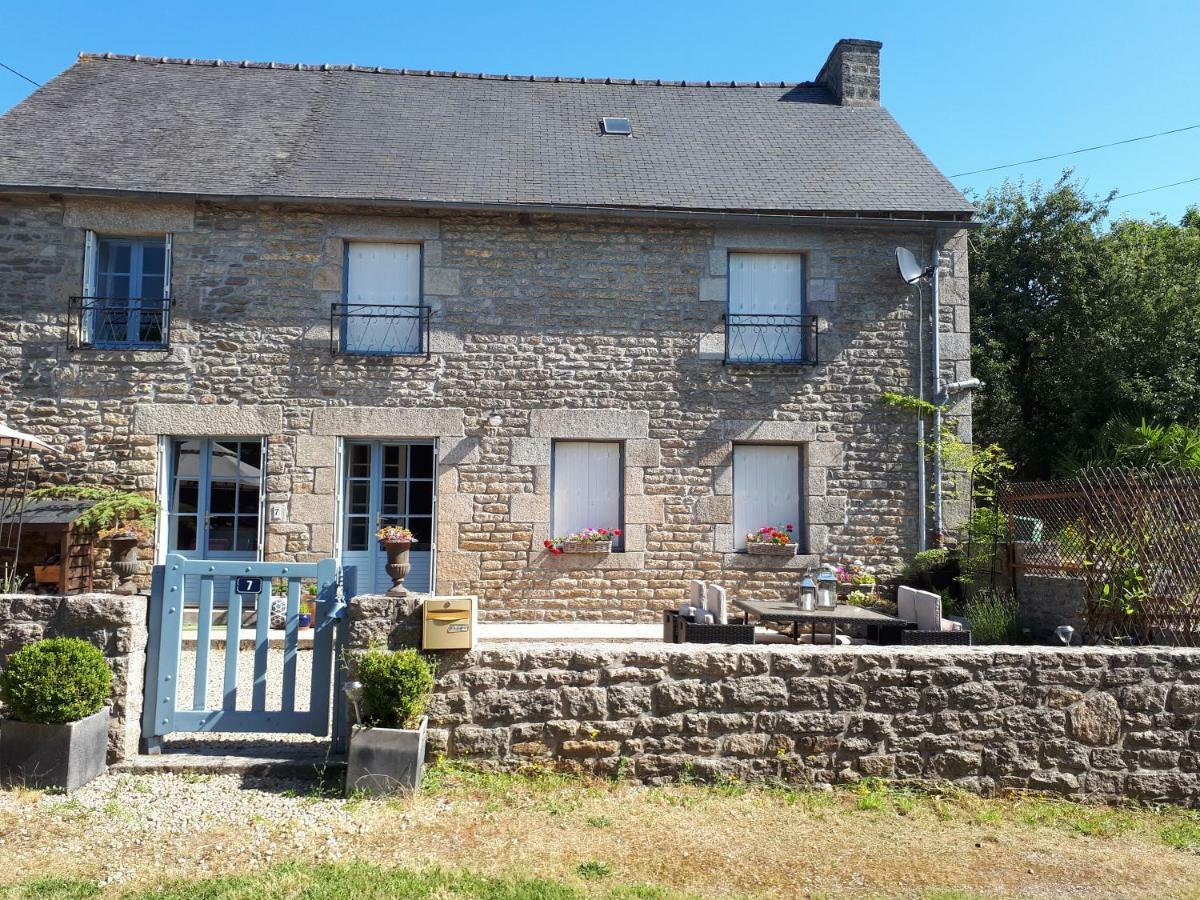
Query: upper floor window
pixel 585 487
pixel 126 300
pixel 766 321
pixel 383 313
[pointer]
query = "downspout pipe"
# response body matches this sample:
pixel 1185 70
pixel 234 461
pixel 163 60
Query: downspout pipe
pixel 935 363
pixel 922 495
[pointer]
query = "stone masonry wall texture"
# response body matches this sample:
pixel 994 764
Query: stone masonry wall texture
pixel 1104 723
pixel 618 322
pixel 116 625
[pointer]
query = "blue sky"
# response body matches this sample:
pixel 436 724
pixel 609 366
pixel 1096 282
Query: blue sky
pixel 975 83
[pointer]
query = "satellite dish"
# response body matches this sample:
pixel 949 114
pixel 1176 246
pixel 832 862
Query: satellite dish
pixel 910 269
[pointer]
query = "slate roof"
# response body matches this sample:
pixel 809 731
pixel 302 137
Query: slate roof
pixel 201 127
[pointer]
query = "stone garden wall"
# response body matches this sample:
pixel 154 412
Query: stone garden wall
pixel 1103 723
pixel 115 624
pixel 543 327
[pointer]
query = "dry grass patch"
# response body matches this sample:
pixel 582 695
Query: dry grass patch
pixel 605 839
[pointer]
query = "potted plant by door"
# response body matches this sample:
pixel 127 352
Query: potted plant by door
pixel 771 541
pixel 387 747
pixel 56 692
pixel 396 542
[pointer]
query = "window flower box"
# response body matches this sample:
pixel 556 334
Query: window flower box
pixel 772 549
pixel 592 541
pixel 597 547
pixel 771 541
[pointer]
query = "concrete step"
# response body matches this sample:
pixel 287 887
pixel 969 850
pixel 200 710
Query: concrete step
pixel 309 766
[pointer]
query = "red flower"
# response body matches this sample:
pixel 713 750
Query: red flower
pixel 789 528
pixel 617 532
pixel 548 544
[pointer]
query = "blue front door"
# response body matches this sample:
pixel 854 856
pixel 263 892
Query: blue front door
pixel 388 483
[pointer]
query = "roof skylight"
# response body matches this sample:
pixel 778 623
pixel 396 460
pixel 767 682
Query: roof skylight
pixel 612 125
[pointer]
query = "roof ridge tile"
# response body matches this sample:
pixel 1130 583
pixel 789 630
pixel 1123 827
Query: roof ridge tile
pixel 432 73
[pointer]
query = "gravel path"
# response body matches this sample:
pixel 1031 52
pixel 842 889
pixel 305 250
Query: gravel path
pixel 236 743
pixel 171 822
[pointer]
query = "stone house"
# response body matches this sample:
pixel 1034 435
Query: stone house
pixel 295 302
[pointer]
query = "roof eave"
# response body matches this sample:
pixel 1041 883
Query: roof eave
pixel 831 217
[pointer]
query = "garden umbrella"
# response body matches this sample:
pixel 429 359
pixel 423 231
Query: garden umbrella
pixel 10 437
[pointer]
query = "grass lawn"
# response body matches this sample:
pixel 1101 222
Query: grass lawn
pixel 475 834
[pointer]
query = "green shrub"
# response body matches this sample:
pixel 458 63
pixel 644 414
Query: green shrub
pixel 927 561
pixel 55 681
pixel 396 687
pixel 995 618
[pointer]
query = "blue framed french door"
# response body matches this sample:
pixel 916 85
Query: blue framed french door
pixel 387 483
pixel 214 502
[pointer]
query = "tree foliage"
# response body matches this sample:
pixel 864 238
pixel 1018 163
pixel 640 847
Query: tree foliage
pixel 1079 323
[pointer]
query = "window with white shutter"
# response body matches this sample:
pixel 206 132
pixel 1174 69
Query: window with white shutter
pixel 585 486
pixel 766 490
pixel 383 313
pixel 766 318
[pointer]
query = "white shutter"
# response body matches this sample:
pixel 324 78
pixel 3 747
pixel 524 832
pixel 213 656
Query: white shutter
pixel 765 284
pixel 379 274
pixel 587 486
pixel 766 489
pixel 262 501
pixel 91 262
pixel 167 266
pixel 162 479
pixel 339 504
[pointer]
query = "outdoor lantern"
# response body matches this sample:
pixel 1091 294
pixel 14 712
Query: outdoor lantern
pixel 807 600
pixel 354 693
pixel 826 589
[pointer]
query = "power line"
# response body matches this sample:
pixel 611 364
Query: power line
pixel 1161 187
pixel 1144 137
pixel 20 75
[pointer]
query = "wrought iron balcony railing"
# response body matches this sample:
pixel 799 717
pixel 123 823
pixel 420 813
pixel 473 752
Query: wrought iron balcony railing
pixel 379 329
pixel 119 323
pixel 767 338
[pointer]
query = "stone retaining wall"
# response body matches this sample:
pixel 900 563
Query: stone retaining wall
pixel 115 624
pixel 1106 723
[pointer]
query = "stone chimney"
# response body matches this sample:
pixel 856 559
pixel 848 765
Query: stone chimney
pixel 852 72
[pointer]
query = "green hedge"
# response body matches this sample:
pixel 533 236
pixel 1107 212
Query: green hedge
pixel 55 681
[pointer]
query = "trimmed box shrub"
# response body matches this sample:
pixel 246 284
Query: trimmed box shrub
pixel 55 681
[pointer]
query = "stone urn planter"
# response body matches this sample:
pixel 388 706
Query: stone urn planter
pixel 64 756
pixel 757 548
pixel 398 565
pixel 123 558
pixel 386 760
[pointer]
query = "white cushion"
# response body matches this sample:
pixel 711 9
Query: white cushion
pixel 716 603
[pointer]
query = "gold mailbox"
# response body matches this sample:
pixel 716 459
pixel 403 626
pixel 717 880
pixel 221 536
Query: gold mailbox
pixel 448 623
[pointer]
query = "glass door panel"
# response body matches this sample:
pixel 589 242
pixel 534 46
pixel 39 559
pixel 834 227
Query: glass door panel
pixel 387 483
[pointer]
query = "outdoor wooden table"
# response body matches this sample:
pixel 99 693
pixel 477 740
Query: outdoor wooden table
pixel 842 614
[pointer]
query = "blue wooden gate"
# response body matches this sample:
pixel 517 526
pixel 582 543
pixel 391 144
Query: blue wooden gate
pixel 162 714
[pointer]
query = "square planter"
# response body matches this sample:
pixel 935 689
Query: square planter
pixel 386 760
pixel 755 549
pixel 54 756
